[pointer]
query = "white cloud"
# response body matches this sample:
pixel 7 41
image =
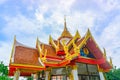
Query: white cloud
pixel 5 52
pixel 65 5
pixel 30 4
pixel 75 19
pixel 21 24
pixel 111 32
pixel 108 5
pixel 81 21
pixel 49 15
pixel 2 1
pixel 57 10
pixel 110 39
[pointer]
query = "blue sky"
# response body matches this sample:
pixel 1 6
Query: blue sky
pixel 28 19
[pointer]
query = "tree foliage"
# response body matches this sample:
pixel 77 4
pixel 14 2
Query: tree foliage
pixel 4 72
pixel 113 74
pixel 30 78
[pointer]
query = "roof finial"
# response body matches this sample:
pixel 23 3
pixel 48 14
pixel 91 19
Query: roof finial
pixel 65 26
pixel 104 52
pixel 111 61
pixel 37 41
pixel 77 34
pixel 14 38
pixel 50 39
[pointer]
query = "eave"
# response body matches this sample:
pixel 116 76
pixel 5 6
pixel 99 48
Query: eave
pixel 57 64
pixel 21 67
pixel 90 61
pixel 24 66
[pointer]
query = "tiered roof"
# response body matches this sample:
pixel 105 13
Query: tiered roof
pixel 25 58
pixel 58 53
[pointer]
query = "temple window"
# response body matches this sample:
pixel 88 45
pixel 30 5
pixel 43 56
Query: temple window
pixel 87 72
pixel 82 69
pixel 92 69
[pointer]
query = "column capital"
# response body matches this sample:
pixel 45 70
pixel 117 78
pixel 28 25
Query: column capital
pixel 74 67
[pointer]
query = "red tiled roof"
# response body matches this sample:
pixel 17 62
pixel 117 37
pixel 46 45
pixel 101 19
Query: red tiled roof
pixel 50 51
pixel 24 55
pixel 94 49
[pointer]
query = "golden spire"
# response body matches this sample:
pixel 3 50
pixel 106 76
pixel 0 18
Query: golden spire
pixel 65 32
pixel 65 27
pixel 104 52
pixel 77 34
pixel 50 39
pixel 14 38
pixel 13 48
pixel 37 41
pixel 88 32
pixel 111 61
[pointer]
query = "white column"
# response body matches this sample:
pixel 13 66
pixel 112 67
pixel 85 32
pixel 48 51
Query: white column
pixel 35 76
pixel 16 75
pixel 101 76
pixel 47 75
pixel 75 73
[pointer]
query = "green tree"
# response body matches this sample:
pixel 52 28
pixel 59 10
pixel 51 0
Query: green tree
pixel 30 78
pixel 4 72
pixel 3 69
pixel 114 74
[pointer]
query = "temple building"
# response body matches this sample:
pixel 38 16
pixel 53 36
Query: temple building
pixel 67 58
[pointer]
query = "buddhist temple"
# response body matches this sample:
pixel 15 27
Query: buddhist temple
pixel 70 57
